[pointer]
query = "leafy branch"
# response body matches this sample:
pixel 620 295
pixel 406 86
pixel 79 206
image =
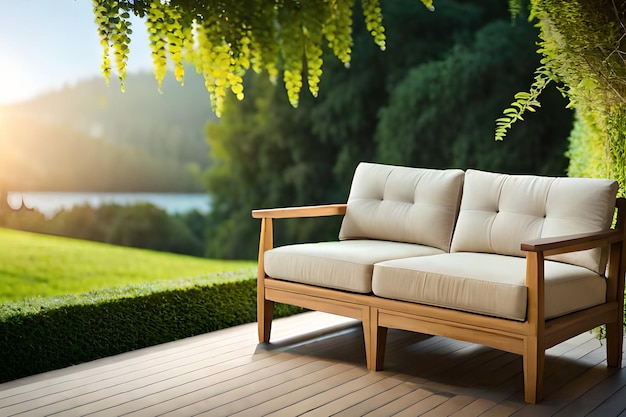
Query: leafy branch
pixel 524 101
pixel 225 38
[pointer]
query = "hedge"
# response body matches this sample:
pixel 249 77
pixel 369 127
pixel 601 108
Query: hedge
pixel 41 334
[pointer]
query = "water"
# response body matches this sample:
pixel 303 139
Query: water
pixel 50 203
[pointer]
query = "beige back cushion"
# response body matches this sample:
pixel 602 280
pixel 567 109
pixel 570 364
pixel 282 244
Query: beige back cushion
pixel 499 212
pixel 402 204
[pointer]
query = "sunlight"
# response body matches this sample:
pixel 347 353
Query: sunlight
pixel 11 90
pixel 16 82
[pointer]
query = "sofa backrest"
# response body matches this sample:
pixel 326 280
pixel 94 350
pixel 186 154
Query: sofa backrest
pixel 403 204
pixel 499 212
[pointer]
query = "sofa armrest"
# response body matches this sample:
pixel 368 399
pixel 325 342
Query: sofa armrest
pixel 572 243
pixel 538 249
pixel 305 211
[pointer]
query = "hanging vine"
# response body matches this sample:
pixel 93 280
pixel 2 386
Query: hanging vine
pixel 114 29
pixel 225 38
pixel 583 47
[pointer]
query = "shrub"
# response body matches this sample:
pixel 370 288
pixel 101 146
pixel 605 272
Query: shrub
pixel 42 334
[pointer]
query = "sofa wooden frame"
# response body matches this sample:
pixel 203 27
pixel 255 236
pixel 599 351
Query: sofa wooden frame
pixel 529 338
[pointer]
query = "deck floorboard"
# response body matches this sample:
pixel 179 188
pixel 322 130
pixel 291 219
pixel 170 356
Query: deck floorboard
pixel 315 366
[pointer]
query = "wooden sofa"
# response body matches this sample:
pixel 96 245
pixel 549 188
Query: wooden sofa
pixel 518 263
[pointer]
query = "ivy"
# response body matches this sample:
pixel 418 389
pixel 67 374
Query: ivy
pixel 582 47
pixel 225 38
pixel 515 8
pixel 114 30
pixel 373 21
pixel 524 101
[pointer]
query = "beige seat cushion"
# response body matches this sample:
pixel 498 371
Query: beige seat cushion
pixel 403 204
pixel 499 212
pixel 345 265
pixel 487 284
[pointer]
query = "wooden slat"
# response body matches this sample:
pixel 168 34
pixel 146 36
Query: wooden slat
pixel 305 211
pixel 316 367
pixel 571 243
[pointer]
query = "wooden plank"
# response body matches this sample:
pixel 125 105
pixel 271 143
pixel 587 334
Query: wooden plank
pixel 317 400
pixel 475 408
pixel 607 383
pixel 358 401
pixel 402 403
pixel 93 392
pixel 96 379
pixel 112 366
pixel 614 405
pixel 304 211
pixel 502 410
pixel 423 406
pixel 380 401
pixel 266 401
pixel 129 397
pixel 451 406
pixel 317 367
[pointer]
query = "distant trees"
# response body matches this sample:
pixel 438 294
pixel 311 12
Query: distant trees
pixel 88 137
pixel 45 156
pixel 423 102
pixel 141 225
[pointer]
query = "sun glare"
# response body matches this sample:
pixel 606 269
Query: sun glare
pixel 17 82
pixel 13 86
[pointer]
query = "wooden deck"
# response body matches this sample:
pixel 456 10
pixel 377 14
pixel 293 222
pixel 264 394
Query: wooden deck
pixel 316 367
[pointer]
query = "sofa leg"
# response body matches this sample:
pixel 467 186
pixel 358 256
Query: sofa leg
pixel 534 360
pixel 377 336
pixel 380 342
pixel 265 314
pixel 614 344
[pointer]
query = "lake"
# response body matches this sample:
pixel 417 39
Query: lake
pixel 50 203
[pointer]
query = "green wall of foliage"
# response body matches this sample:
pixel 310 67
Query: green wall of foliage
pixel 42 334
pixel 582 49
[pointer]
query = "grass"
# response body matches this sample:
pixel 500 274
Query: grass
pixel 40 265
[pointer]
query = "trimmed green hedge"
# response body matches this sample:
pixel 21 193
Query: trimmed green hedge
pixel 42 334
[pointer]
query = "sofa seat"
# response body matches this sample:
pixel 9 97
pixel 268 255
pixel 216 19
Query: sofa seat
pixel 486 284
pixel 344 265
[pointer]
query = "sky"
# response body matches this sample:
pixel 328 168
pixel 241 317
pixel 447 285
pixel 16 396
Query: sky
pixel 46 44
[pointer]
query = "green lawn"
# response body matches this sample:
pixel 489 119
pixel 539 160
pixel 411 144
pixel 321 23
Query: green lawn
pixel 40 265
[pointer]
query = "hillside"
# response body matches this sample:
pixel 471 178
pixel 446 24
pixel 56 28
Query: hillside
pixel 90 137
pixel 39 265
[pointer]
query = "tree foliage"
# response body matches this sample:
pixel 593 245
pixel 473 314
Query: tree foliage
pixel 226 38
pixel 267 154
pixel 466 88
pixel 582 45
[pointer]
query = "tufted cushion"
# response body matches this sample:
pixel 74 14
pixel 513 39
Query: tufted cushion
pixel 403 204
pixel 345 265
pixel 487 284
pixel 499 212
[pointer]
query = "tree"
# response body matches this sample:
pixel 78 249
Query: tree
pixel 581 46
pixel 441 113
pixel 267 154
